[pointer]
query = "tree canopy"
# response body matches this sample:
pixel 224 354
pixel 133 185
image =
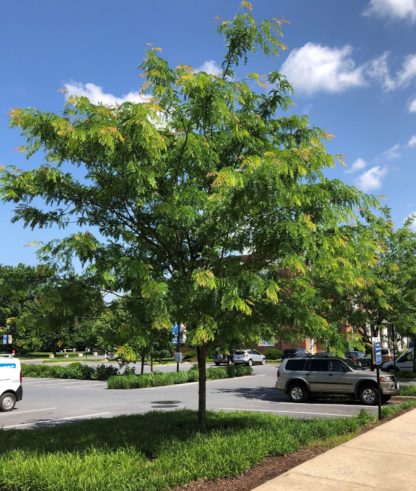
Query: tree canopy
pixel 210 201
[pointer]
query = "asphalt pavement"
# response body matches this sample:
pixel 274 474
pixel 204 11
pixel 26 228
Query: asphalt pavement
pixel 52 401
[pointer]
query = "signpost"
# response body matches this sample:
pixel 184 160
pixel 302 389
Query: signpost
pixel 378 360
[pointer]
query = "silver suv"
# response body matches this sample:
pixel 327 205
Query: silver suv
pixel 299 377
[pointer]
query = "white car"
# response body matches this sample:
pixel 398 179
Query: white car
pixel 404 363
pixel 10 382
pixel 248 357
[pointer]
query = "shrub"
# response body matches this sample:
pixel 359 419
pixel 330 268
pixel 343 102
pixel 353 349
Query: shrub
pixel 407 390
pixel 104 372
pixel 272 354
pixel 130 371
pixel 189 355
pixel 157 379
pixel 74 370
pixel 164 353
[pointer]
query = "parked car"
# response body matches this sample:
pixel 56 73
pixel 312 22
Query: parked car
pixel 404 363
pixel 359 358
pixel 387 355
pixel 10 382
pixel 222 359
pixel 293 353
pixel 306 376
pixel 248 357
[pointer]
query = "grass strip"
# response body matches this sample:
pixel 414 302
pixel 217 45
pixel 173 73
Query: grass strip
pixel 407 390
pixel 154 451
pixel 157 379
pixel 392 409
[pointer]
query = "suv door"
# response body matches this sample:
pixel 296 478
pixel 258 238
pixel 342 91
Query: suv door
pixel 340 377
pixel 317 374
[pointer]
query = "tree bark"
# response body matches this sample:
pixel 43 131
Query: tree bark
pixel 414 353
pixel 142 365
pixel 202 388
pixel 151 363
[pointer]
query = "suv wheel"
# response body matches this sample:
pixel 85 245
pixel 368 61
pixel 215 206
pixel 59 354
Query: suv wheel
pixel 298 392
pixel 250 362
pixel 368 395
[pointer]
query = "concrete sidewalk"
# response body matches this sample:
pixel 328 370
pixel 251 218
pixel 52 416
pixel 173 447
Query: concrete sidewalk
pixel 382 458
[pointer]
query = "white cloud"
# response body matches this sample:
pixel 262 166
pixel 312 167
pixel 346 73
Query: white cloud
pixel 392 153
pixel 372 179
pixel 412 141
pixel 357 165
pixel 395 9
pixel 314 68
pixel 211 67
pixel 96 95
pixel 379 70
pixel 408 71
pixel 412 106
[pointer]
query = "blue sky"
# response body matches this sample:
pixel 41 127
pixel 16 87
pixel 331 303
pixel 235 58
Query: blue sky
pixel 352 64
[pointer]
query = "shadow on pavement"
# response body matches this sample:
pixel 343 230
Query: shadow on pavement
pixel 272 395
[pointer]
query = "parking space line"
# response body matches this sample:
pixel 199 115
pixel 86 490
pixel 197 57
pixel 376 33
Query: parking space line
pixel 286 412
pixel 17 412
pixel 69 418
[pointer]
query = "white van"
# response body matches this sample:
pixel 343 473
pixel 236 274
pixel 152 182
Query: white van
pixel 10 382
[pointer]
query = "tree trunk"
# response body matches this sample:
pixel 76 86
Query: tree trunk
pixel 202 388
pixel 142 365
pixel 151 363
pixel 54 347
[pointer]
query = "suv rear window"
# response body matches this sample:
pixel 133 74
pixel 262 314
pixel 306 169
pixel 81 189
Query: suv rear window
pixel 295 364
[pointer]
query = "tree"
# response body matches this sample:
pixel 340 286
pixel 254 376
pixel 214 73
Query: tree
pixel 209 202
pixel 19 286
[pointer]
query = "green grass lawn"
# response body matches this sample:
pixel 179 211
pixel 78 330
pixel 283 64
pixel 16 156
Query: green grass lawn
pixel 155 451
pixel 407 390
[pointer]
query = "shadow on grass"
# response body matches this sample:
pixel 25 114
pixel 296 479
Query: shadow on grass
pixel 147 433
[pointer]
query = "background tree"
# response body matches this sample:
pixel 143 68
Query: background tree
pixel 209 202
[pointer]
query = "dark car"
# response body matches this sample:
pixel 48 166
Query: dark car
pixel 359 358
pixel 294 353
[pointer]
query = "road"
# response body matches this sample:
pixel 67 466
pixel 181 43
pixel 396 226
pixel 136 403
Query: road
pixel 48 402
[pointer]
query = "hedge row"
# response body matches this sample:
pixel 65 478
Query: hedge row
pixel 157 379
pixel 73 370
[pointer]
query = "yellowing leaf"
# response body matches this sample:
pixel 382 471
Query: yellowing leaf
pixel 204 279
pixel 246 5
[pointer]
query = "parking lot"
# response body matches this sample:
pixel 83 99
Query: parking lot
pixel 48 402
